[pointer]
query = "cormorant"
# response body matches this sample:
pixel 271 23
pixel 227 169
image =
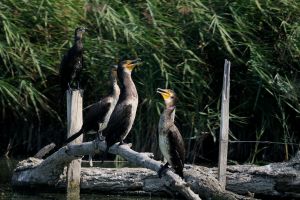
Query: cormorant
pixel 98 114
pixel 72 62
pixel 170 140
pixel 124 113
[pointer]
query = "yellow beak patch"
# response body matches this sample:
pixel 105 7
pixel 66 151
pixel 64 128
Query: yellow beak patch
pixel 130 66
pixel 165 95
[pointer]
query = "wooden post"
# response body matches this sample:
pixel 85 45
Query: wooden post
pixel 224 127
pixel 74 117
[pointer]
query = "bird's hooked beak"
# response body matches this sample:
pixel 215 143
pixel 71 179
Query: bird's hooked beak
pixel 164 93
pixel 133 63
pixel 84 29
pixel 79 32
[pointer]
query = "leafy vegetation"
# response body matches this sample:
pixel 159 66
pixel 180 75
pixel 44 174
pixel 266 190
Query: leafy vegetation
pixel 183 45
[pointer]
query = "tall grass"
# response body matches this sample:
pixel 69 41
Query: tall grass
pixel 183 45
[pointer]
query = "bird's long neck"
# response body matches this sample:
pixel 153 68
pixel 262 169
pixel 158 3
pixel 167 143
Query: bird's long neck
pixel 78 42
pixel 115 89
pixel 166 119
pixel 167 116
pixel 128 88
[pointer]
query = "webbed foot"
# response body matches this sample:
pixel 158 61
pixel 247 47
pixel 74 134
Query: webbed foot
pixel 101 137
pixel 162 169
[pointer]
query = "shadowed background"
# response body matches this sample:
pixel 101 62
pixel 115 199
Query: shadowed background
pixel 183 45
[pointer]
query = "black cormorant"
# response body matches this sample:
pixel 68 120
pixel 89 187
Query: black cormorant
pixel 124 113
pixel 170 140
pixel 98 114
pixel 72 62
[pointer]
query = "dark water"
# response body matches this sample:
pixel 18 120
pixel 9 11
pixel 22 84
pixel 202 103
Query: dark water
pixel 7 166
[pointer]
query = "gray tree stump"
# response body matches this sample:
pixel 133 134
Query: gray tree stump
pixel 74 120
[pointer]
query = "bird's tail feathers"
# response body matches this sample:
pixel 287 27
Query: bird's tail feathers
pixel 73 137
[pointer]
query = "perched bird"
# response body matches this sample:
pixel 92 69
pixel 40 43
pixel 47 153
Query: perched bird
pixel 99 113
pixel 170 140
pixel 124 113
pixel 72 62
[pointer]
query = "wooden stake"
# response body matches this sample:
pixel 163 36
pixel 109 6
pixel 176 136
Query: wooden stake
pixel 74 117
pixel 224 127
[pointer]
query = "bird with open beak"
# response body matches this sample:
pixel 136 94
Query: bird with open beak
pixel 170 140
pixel 123 116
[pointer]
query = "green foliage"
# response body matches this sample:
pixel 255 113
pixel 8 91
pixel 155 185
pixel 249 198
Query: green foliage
pixel 183 45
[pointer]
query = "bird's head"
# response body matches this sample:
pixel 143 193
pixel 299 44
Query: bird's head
pixel 129 65
pixel 113 72
pixel 79 32
pixel 169 97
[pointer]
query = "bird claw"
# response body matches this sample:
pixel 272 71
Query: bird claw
pixel 161 170
pixel 101 138
pixel 121 143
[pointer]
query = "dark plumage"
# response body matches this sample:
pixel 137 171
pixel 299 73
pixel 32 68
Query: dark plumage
pixel 170 140
pixel 123 116
pixel 98 114
pixel 72 62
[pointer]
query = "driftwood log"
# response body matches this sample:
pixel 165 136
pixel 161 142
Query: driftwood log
pixel 201 180
pixel 48 171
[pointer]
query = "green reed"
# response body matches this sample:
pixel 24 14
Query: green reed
pixel 183 45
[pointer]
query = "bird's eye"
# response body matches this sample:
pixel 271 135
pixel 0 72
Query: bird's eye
pixel 172 97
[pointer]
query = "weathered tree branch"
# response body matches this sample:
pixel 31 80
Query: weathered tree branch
pixel 276 179
pixel 49 171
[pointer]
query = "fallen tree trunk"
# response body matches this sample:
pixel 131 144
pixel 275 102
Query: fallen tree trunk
pixel 276 179
pixel 51 172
